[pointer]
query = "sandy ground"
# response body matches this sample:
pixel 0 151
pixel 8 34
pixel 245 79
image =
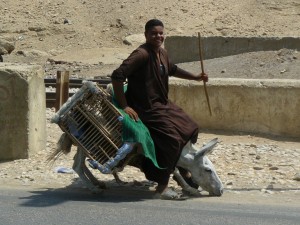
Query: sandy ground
pixel 253 169
pixel 87 37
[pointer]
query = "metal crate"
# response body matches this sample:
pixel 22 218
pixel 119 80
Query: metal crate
pixel 94 124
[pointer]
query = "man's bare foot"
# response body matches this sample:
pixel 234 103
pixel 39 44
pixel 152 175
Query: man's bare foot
pixel 165 193
pixel 161 188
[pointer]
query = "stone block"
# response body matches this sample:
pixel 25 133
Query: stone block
pixel 186 48
pixel 22 111
pixel 269 107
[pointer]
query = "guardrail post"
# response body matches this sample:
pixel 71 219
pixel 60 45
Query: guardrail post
pixel 62 88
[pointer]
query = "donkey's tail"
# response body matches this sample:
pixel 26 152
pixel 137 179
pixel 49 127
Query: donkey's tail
pixel 64 145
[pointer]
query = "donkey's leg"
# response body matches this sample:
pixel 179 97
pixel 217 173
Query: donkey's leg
pixel 91 177
pixel 133 159
pixel 118 179
pixel 187 176
pixel 184 185
pixel 79 167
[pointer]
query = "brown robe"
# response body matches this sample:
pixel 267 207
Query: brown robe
pixel 147 93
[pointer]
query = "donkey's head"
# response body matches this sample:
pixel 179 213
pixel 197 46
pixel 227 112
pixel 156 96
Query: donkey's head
pixel 201 168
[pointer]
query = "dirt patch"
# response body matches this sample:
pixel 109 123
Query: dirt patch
pixel 282 64
pixel 88 36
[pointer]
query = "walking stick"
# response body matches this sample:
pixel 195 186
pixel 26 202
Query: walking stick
pixel 202 68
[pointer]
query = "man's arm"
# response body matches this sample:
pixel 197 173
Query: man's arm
pixel 119 93
pixel 128 66
pixel 121 99
pixel 181 73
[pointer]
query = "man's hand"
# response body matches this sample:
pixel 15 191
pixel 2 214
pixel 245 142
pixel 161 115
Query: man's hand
pixel 202 76
pixel 132 114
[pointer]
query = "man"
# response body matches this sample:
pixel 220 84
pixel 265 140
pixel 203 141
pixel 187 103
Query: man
pixel 147 71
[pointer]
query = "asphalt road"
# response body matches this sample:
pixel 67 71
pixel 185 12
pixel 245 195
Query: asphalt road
pixel 120 206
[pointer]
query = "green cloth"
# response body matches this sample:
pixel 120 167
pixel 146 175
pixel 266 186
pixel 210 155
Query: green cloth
pixel 136 131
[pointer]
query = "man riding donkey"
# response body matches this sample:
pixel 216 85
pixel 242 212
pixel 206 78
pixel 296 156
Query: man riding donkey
pixel 147 72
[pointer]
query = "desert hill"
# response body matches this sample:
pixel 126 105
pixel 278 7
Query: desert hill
pixel 42 29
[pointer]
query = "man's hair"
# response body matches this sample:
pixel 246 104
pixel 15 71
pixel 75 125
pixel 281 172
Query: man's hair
pixel 153 23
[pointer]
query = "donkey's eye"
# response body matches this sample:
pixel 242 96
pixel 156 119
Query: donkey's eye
pixel 208 170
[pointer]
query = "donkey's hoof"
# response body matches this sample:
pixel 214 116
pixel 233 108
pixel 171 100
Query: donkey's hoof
pixel 191 192
pixel 101 185
pixel 96 190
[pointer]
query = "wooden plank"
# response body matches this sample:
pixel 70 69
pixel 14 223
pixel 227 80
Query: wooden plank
pixel 79 81
pixel 52 95
pixel 62 88
pixel 50 103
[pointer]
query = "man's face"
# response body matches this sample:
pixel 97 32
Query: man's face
pixel 155 36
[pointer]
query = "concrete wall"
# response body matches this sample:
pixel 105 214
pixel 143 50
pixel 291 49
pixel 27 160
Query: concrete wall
pixel 186 48
pixel 22 111
pixel 259 106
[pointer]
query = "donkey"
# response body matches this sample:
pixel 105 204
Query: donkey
pixel 195 161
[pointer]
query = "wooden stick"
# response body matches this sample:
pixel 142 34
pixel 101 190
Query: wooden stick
pixel 202 68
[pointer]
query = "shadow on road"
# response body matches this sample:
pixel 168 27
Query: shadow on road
pixel 114 194
pixel 54 196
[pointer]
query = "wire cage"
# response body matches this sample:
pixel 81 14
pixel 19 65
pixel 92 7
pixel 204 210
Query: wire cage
pixel 94 124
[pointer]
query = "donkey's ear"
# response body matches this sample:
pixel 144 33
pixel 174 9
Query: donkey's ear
pixel 207 148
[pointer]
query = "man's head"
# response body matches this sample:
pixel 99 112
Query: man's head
pixel 153 23
pixel 154 33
